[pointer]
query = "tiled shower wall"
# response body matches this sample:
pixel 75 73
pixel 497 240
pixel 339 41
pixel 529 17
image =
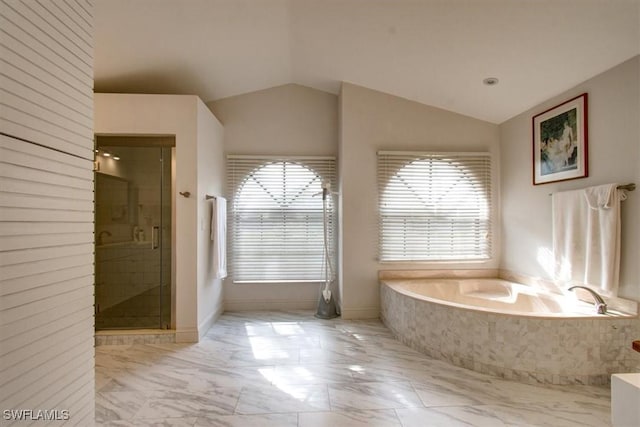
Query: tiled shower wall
pixel 124 271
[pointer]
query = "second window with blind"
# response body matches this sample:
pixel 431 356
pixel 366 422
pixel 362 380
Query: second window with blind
pixel 434 206
pixel 276 218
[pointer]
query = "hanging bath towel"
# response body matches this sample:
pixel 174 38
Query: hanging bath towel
pixel 219 237
pixel 586 237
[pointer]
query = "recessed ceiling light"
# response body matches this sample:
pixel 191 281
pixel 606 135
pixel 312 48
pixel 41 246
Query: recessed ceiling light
pixel 490 81
pixel 106 154
pixel 116 157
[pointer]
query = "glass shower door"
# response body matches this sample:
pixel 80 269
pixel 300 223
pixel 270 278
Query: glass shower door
pixel 133 237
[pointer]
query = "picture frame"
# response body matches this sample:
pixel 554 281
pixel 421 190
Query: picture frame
pixel 560 142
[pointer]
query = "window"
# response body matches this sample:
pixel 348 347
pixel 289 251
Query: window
pixel 434 206
pixel 275 218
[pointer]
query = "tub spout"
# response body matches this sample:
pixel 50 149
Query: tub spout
pixel 601 306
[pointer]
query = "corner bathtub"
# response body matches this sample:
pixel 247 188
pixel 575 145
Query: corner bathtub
pixel 510 330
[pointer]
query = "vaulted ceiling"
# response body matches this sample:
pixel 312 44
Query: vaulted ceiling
pixel 436 52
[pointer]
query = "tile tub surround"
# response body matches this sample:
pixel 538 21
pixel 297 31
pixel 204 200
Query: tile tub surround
pixel 525 349
pixel 290 369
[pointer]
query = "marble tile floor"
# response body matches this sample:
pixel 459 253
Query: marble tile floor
pixel 290 369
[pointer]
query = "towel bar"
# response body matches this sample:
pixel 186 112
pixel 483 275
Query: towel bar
pixel 628 187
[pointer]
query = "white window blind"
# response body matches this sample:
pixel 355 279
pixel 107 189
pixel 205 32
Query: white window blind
pixel 275 218
pixel 434 206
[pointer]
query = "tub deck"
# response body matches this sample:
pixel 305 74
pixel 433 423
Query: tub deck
pixel 501 297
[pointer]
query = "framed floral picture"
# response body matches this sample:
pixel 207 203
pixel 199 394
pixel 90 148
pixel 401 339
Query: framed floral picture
pixel 560 142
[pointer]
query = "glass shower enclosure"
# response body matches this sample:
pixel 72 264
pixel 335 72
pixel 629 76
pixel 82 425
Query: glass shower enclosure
pixel 133 235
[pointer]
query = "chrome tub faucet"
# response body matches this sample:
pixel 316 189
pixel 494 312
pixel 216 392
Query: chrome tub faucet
pixel 601 306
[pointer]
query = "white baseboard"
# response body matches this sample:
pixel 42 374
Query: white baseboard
pixel 360 313
pixel 187 335
pixel 208 322
pixel 262 305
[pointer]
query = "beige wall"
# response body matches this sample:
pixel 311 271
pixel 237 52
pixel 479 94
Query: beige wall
pixel 284 120
pixel 614 156
pixel 291 119
pixel 372 121
pixel 178 115
pixel 211 180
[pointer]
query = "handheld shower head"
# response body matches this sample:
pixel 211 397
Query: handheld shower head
pixel 326 189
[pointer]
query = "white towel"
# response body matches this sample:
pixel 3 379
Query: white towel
pixel 586 237
pixel 219 237
pixel 601 196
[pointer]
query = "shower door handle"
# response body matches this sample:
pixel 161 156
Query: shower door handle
pixel 155 237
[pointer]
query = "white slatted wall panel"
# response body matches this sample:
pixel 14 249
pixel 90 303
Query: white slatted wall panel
pixel 46 71
pixel 46 208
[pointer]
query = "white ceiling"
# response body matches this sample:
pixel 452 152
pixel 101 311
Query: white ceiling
pixel 436 52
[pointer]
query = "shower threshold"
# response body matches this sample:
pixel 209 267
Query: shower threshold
pixel 134 336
